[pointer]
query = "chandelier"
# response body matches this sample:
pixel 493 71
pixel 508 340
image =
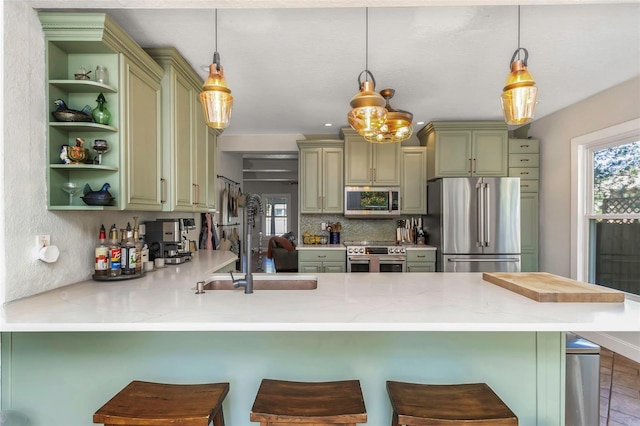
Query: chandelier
pixel 397 126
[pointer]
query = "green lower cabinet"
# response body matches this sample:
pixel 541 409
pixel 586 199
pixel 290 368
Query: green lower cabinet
pixel 421 267
pixel 317 261
pixel 421 260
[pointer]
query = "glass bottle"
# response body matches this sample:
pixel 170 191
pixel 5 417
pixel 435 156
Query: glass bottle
pixel 131 252
pixel 101 114
pixel 102 255
pixel 102 75
pixel 115 253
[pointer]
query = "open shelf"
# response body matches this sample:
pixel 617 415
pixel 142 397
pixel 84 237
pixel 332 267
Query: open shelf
pixel 82 86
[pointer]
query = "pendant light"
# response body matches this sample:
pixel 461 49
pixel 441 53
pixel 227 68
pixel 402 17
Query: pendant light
pixel 519 94
pixel 368 113
pixel 397 126
pixel 215 97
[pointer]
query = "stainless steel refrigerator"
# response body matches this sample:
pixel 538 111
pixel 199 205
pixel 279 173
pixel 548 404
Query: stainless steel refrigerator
pixel 474 223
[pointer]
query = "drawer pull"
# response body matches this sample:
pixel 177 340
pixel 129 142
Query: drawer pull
pixel 524 160
pixel 421 255
pixel 524 146
pixel 524 173
pixel 524 186
pixel 322 257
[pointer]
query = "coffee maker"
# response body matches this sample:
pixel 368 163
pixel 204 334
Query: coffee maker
pixel 167 239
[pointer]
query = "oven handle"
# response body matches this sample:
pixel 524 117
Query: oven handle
pixel 509 259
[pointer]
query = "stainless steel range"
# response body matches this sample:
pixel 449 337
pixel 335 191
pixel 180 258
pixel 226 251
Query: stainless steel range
pixel 375 256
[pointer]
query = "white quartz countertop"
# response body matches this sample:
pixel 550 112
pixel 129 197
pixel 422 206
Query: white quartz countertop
pixel 165 300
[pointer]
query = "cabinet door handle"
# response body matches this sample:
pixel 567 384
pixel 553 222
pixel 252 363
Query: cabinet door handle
pixel 474 165
pixel 470 167
pixel 374 174
pixel 163 190
pixel 194 187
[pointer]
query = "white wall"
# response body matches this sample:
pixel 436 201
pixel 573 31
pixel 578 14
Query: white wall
pixel 613 106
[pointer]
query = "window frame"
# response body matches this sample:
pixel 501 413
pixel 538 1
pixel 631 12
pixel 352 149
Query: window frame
pixel 265 197
pixel 582 148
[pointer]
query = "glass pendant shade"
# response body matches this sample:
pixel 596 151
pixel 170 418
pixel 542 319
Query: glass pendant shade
pixel 216 98
pixel 368 113
pixel 519 94
pixel 397 126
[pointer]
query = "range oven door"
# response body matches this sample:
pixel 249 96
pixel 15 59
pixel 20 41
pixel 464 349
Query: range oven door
pixel 386 263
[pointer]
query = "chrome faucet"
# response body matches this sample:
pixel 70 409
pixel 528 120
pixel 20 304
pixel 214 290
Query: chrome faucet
pixel 252 207
pixel 246 282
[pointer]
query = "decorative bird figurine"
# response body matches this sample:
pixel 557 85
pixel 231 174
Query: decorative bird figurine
pixel 98 198
pixel 63 113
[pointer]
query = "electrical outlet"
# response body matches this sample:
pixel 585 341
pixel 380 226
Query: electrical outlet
pixel 43 240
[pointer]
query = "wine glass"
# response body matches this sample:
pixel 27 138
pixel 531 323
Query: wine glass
pixel 101 146
pixel 71 188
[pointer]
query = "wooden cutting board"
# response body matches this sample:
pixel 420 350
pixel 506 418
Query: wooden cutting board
pixel 545 287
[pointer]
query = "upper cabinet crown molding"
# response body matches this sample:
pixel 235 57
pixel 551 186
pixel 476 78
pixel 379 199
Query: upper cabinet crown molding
pixel 94 33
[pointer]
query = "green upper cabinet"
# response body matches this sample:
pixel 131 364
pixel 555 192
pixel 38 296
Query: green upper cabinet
pixel 524 159
pixel 143 153
pixel 185 135
pixel 321 183
pixel 462 149
pixel 132 164
pixel 370 164
pixel 211 189
pixel 413 182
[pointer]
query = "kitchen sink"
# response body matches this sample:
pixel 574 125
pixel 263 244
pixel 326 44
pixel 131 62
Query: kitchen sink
pixel 266 282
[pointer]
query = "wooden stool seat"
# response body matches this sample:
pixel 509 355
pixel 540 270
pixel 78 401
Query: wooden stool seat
pixel 159 404
pixel 447 405
pixel 280 403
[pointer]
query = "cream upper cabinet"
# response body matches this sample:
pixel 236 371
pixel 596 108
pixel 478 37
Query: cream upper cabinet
pixel 462 149
pixel 321 185
pixel 132 165
pixel 368 163
pixel 184 134
pixel 413 182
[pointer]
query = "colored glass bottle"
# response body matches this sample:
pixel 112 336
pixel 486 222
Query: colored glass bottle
pixel 101 114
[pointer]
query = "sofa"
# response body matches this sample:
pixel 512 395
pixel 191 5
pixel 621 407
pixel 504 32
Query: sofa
pixel 282 250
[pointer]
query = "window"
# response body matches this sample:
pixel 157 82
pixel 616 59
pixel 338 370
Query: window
pixel 276 213
pixel 606 207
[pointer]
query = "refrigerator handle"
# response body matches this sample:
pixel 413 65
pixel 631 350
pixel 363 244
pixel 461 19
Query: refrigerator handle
pixel 487 215
pixel 480 215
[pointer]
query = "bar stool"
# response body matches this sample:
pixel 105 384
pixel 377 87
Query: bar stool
pixel 447 405
pixel 159 404
pixel 280 403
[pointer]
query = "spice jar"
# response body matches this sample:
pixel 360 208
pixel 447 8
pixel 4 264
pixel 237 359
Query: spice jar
pixel 102 76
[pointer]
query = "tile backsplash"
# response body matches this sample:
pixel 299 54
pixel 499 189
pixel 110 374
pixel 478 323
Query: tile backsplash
pixel 352 229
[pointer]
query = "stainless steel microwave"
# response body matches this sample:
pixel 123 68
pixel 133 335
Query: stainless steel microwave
pixel 369 201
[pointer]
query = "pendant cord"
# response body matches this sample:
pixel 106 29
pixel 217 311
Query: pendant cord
pixel 217 29
pixel 518 32
pixel 366 43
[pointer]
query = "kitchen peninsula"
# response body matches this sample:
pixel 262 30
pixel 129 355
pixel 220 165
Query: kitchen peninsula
pixel 67 351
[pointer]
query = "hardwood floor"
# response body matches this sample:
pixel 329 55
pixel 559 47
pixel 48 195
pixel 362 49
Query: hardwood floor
pixel 619 390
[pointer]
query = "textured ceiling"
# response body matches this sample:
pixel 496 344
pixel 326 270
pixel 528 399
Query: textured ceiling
pixel 291 70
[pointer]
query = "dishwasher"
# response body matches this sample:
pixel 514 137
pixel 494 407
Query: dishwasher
pixel 582 395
